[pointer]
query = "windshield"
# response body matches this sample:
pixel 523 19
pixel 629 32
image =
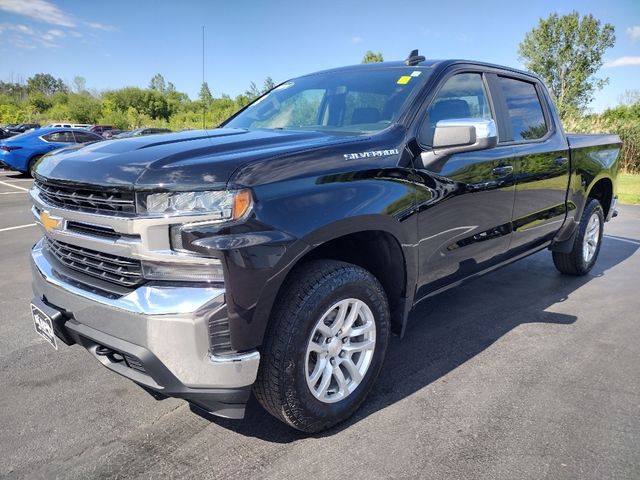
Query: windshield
pixel 356 101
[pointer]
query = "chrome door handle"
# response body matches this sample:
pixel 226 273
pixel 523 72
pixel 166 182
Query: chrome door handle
pixel 560 161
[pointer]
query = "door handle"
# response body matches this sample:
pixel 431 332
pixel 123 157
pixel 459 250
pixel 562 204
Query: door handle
pixel 502 171
pixel 560 161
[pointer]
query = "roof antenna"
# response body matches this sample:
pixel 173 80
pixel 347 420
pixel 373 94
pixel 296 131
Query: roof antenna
pixel 414 58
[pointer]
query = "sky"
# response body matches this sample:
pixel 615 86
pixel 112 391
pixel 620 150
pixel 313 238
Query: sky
pixel 124 43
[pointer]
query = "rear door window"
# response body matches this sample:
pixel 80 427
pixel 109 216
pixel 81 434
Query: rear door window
pixel 525 109
pixel 83 137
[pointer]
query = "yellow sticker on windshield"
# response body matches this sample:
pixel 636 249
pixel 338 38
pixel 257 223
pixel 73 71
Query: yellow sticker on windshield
pixel 403 80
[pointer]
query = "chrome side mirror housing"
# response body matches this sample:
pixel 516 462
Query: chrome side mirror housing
pixel 465 134
pixel 458 135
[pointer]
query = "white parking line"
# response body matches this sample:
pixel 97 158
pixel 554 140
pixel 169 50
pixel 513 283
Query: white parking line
pixel 17 227
pixel 626 240
pixel 14 186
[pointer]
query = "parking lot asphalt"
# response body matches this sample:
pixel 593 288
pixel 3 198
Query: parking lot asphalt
pixel 523 373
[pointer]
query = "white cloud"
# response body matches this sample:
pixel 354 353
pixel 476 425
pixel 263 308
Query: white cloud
pixel 46 12
pixel 22 36
pixel 623 62
pixel 40 10
pixel 634 32
pixel 26 36
pixel 24 29
pixel 100 26
pixel 356 40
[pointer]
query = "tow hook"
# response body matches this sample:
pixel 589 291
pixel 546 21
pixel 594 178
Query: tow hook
pixel 109 353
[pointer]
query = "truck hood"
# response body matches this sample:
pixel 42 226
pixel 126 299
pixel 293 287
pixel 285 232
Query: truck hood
pixel 179 160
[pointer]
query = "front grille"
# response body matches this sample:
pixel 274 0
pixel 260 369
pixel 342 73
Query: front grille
pixel 121 271
pixel 85 199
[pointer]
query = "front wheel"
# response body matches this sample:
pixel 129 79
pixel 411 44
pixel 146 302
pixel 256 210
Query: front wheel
pixel 325 345
pixel 586 246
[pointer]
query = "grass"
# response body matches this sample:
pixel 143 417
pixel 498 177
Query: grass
pixel 629 188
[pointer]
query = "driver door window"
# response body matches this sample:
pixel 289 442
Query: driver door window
pixel 462 96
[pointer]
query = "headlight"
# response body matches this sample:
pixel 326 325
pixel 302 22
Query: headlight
pixel 220 204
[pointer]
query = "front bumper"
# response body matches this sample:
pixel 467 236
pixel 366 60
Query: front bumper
pixel 157 335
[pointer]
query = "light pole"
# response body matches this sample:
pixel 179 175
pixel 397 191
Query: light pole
pixel 204 104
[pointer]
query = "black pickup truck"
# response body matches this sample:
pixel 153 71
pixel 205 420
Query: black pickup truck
pixel 277 253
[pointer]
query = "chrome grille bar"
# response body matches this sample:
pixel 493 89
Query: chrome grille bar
pixel 121 271
pixel 79 198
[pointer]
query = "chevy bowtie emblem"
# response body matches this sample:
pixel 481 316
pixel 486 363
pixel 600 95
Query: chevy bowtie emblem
pixel 49 222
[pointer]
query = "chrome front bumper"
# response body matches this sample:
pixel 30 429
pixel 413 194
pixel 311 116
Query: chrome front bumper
pixel 168 322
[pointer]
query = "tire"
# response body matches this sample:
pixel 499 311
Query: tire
pixel 315 291
pixel 580 260
pixel 32 163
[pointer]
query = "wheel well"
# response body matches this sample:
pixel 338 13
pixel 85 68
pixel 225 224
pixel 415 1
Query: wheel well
pixel 33 159
pixel 379 253
pixel 602 191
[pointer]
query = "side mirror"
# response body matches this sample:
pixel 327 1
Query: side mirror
pixel 464 135
pixel 458 135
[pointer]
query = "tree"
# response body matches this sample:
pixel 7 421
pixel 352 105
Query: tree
pixel 46 84
pixel 566 51
pixel 253 91
pixel 15 91
pixel 83 108
pixel 629 97
pixel 268 85
pixel 371 57
pixel 157 83
pixel 205 94
pixel 79 84
pixel 40 102
pixel 155 105
pixel 243 100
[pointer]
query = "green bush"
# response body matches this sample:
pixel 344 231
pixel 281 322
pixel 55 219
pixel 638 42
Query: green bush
pixel 623 121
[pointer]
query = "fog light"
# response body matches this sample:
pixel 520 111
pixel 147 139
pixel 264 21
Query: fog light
pixel 180 272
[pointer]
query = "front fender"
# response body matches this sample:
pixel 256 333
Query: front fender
pixel 301 216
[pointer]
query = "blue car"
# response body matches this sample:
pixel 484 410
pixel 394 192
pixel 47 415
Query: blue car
pixel 23 151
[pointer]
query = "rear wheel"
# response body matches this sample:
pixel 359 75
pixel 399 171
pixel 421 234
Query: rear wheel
pixel 32 164
pixel 325 345
pixel 586 245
